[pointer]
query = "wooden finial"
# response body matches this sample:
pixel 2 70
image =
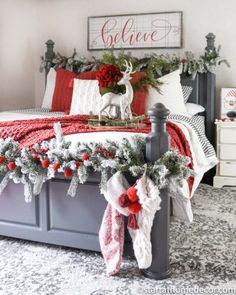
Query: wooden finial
pixel 49 54
pixel 158 112
pixel 210 42
pixel 157 141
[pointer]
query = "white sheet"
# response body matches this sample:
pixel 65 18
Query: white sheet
pixel 201 163
pixel 28 114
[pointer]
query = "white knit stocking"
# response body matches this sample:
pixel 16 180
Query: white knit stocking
pixel 150 200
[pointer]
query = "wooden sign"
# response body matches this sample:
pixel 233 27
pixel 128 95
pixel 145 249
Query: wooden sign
pixel 135 31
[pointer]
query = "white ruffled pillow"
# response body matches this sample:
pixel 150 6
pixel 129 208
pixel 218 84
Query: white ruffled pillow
pixel 86 97
pixel 194 109
pixel 50 86
pixel 171 94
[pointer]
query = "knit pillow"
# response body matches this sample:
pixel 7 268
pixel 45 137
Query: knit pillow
pixel 62 95
pixel 91 75
pixel 140 96
pixel 86 97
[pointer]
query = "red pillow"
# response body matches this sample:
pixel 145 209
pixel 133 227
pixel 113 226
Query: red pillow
pixel 138 105
pixel 62 95
pixel 88 75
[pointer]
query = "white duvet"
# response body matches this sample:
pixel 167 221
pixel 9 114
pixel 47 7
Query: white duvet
pixel 200 161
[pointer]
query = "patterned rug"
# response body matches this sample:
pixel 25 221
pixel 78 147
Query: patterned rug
pixel 203 255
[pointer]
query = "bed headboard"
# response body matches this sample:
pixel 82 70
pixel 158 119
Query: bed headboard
pixel 204 92
pixel 203 87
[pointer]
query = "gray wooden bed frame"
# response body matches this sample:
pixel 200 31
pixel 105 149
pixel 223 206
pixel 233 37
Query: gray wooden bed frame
pixel 54 218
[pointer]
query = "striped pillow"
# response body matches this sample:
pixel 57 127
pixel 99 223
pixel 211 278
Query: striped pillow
pixel 187 90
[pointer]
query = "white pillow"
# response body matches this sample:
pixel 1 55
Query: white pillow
pixel 171 94
pixel 50 86
pixel 193 108
pixel 86 97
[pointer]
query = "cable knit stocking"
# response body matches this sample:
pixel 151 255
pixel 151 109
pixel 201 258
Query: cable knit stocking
pixel 111 238
pixel 150 200
pixel 111 234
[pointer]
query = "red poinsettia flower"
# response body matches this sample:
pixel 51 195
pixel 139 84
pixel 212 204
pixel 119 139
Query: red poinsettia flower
pixel 108 75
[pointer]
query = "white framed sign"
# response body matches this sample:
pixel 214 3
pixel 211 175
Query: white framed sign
pixel 228 103
pixel 135 31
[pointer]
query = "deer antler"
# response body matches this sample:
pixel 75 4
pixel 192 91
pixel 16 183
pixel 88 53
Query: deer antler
pixel 129 68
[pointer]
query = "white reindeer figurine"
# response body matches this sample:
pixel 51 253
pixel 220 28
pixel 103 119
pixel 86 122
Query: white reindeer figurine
pixel 123 101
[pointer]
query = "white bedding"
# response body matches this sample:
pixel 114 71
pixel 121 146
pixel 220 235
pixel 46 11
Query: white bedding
pixel 201 162
pixel 28 114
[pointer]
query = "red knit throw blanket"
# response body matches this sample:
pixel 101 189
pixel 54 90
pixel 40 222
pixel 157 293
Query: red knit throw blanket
pixel 29 132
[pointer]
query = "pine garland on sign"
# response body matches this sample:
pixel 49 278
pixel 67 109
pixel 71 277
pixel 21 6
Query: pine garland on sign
pixel 153 65
pixel 32 167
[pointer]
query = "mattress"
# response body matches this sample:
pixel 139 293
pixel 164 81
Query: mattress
pixel 24 114
pixel 203 154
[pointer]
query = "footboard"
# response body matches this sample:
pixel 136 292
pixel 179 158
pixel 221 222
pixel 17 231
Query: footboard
pixel 52 217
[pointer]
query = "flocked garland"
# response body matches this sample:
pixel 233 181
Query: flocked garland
pixel 32 167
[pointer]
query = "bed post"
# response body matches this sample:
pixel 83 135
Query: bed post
pixel 209 96
pixel 210 93
pixel 157 143
pixel 49 56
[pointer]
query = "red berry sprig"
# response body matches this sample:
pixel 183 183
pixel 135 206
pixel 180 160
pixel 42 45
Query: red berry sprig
pixel 45 163
pixel 85 157
pixel 35 157
pixel 68 172
pixel 2 159
pixel 56 166
pixel 11 166
pixel 77 164
pixel 104 152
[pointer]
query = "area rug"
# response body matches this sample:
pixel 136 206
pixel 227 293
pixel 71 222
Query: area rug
pixel 202 258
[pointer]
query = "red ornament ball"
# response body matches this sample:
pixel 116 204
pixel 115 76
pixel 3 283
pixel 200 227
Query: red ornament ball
pixel 85 157
pixel 2 159
pixel 56 166
pixel 132 194
pixel 11 166
pixel 45 163
pixel 134 208
pixel 68 172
